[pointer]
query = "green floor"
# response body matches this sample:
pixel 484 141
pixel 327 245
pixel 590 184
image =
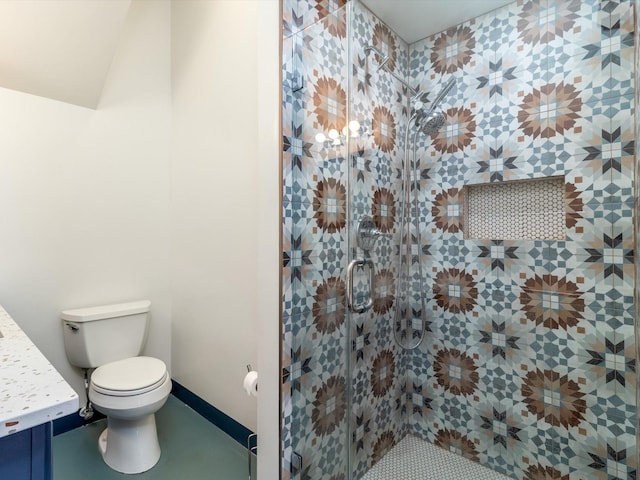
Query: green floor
pixel 192 449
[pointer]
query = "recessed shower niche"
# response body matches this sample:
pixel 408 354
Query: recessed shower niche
pixel 516 210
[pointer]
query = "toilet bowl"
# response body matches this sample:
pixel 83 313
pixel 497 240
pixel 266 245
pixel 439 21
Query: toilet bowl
pixel 129 392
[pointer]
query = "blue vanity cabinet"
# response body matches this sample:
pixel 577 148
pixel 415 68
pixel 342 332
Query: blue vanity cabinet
pixel 26 455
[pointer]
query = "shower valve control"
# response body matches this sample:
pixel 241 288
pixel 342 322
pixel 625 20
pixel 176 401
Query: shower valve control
pixel 368 233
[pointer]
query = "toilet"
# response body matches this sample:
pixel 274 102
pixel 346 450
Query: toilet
pixel 124 386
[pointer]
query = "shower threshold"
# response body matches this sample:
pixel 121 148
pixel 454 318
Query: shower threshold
pixel 413 458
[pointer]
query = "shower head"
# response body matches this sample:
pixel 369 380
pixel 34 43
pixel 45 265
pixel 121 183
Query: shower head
pixel 432 124
pixel 428 120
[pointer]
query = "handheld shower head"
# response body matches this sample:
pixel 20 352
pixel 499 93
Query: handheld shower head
pixel 432 124
pixel 428 120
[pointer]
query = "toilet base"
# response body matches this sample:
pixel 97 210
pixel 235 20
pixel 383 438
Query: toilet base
pixel 130 446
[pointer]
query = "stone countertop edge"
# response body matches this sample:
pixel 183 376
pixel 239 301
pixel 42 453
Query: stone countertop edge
pixel 32 392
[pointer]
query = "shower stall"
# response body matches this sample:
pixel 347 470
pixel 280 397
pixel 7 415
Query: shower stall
pixel 458 269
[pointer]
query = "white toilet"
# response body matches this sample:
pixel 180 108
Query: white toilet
pixel 127 388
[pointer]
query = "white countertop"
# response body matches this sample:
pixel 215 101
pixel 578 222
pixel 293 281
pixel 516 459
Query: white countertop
pixel 32 392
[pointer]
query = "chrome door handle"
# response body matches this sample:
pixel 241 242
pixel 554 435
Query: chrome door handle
pixel 360 262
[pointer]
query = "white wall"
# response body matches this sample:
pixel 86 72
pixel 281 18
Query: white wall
pixel 148 198
pixel 215 200
pixel 226 208
pixel 84 195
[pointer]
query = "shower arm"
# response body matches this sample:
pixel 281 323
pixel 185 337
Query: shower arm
pixel 383 65
pixel 443 93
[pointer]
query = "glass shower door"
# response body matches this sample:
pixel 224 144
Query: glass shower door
pixel 315 337
pixel 378 114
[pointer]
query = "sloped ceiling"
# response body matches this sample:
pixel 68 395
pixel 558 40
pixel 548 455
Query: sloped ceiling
pixel 62 49
pixel 59 49
pixel 416 19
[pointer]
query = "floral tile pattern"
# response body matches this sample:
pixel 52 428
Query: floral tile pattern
pixel 528 363
pixel 544 316
pixel 379 103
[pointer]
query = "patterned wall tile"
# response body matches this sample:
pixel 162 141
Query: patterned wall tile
pixel 300 14
pixel 528 362
pixel 551 102
pixel 314 240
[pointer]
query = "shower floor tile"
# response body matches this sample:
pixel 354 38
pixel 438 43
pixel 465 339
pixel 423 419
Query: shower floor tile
pixel 413 458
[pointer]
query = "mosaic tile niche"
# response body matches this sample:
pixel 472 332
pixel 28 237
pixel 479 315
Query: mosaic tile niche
pixel 521 210
pixel 528 363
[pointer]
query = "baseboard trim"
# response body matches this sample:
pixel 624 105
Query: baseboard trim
pixel 73 421
pixel 224 422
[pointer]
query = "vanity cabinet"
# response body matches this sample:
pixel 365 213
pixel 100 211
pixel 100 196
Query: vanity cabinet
pixel 26 455
pixel 33 395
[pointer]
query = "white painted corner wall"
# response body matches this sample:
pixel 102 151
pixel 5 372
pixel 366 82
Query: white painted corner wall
pixel 84 195
pixel 225 193
pixel 169 190
pixel 215 181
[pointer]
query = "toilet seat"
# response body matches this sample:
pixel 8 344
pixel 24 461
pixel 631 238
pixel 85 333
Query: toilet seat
pixel 129 377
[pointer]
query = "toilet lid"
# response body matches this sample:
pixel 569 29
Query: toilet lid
pixel 130 374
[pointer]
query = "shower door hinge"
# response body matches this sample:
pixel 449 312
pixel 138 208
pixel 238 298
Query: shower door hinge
pixel 297 77
pixel 296 463
pixel 297 83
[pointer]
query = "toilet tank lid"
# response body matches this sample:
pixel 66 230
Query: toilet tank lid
pixel 106 311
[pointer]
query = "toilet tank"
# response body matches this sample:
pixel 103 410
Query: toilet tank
pixel 98 335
